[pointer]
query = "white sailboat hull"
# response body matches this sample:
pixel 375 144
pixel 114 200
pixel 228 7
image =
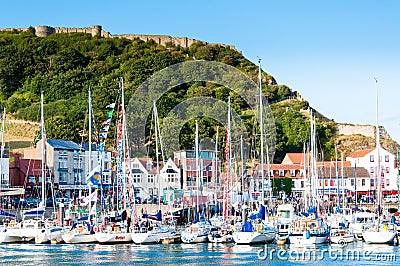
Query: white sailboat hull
pixel 342 239
pixel 29 234
pixel 382 237
pixel 302 240
pixel 145 238
pixel 221 239
pixel 73 238
pixel 113 237
pixel 10 235
pixel 49 235
pixel 193 238
pixel 253 237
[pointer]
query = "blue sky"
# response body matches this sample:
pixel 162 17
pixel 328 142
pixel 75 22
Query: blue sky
pixel 329 51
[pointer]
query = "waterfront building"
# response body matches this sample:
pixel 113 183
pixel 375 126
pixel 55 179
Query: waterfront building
pixel 388 167
pixel 208 168
pixel 148 182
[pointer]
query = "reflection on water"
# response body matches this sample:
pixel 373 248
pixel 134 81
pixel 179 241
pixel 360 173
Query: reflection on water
pixel 181 254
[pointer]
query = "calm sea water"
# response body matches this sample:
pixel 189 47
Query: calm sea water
pixel 196 254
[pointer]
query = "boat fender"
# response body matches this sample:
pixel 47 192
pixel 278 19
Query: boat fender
pixel 308 234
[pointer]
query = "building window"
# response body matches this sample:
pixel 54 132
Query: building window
pixel 302 172
pixel 210 168
pixel 387 182
pixel 352 182
pixel 293 183
pixel 63 177
pixel 32 179
pixel 292 172
pixel 371 158
pixel 371 169
pixel 386 158
pixel 302 184
pixel 106 166
pixel 363 182
pixel 188 167
pixel 387 170
pixel 281 173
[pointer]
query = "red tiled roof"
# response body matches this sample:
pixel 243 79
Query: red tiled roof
pixel 297 158
pixel 332 164
pixel 283 167
pixel 361 153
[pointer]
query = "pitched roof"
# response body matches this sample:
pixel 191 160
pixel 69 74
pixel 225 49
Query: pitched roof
pixel 295 158
pixel 361 153
pixel 85 146
pixel 348 172
pixel 63 144
pixel 333 164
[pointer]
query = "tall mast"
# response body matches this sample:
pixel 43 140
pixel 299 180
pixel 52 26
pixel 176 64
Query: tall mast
pixel 196 147
pixel 378 145
pixel 2 146
pixel 355 185
pixel 43 133
pixel 243 172
pixel 337 178
pixel 343 187
pixel 124 144
pixel 157 164
pixel 230 182
pixel 90 147
pixel 261 133
pixel 216 166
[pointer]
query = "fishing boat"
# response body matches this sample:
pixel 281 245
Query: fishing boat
pixel 309 231
pixel 286 215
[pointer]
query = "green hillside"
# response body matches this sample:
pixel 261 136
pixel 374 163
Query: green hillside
pixel 64 66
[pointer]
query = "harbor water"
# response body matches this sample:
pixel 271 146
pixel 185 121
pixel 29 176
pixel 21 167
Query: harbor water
pixel 357 253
